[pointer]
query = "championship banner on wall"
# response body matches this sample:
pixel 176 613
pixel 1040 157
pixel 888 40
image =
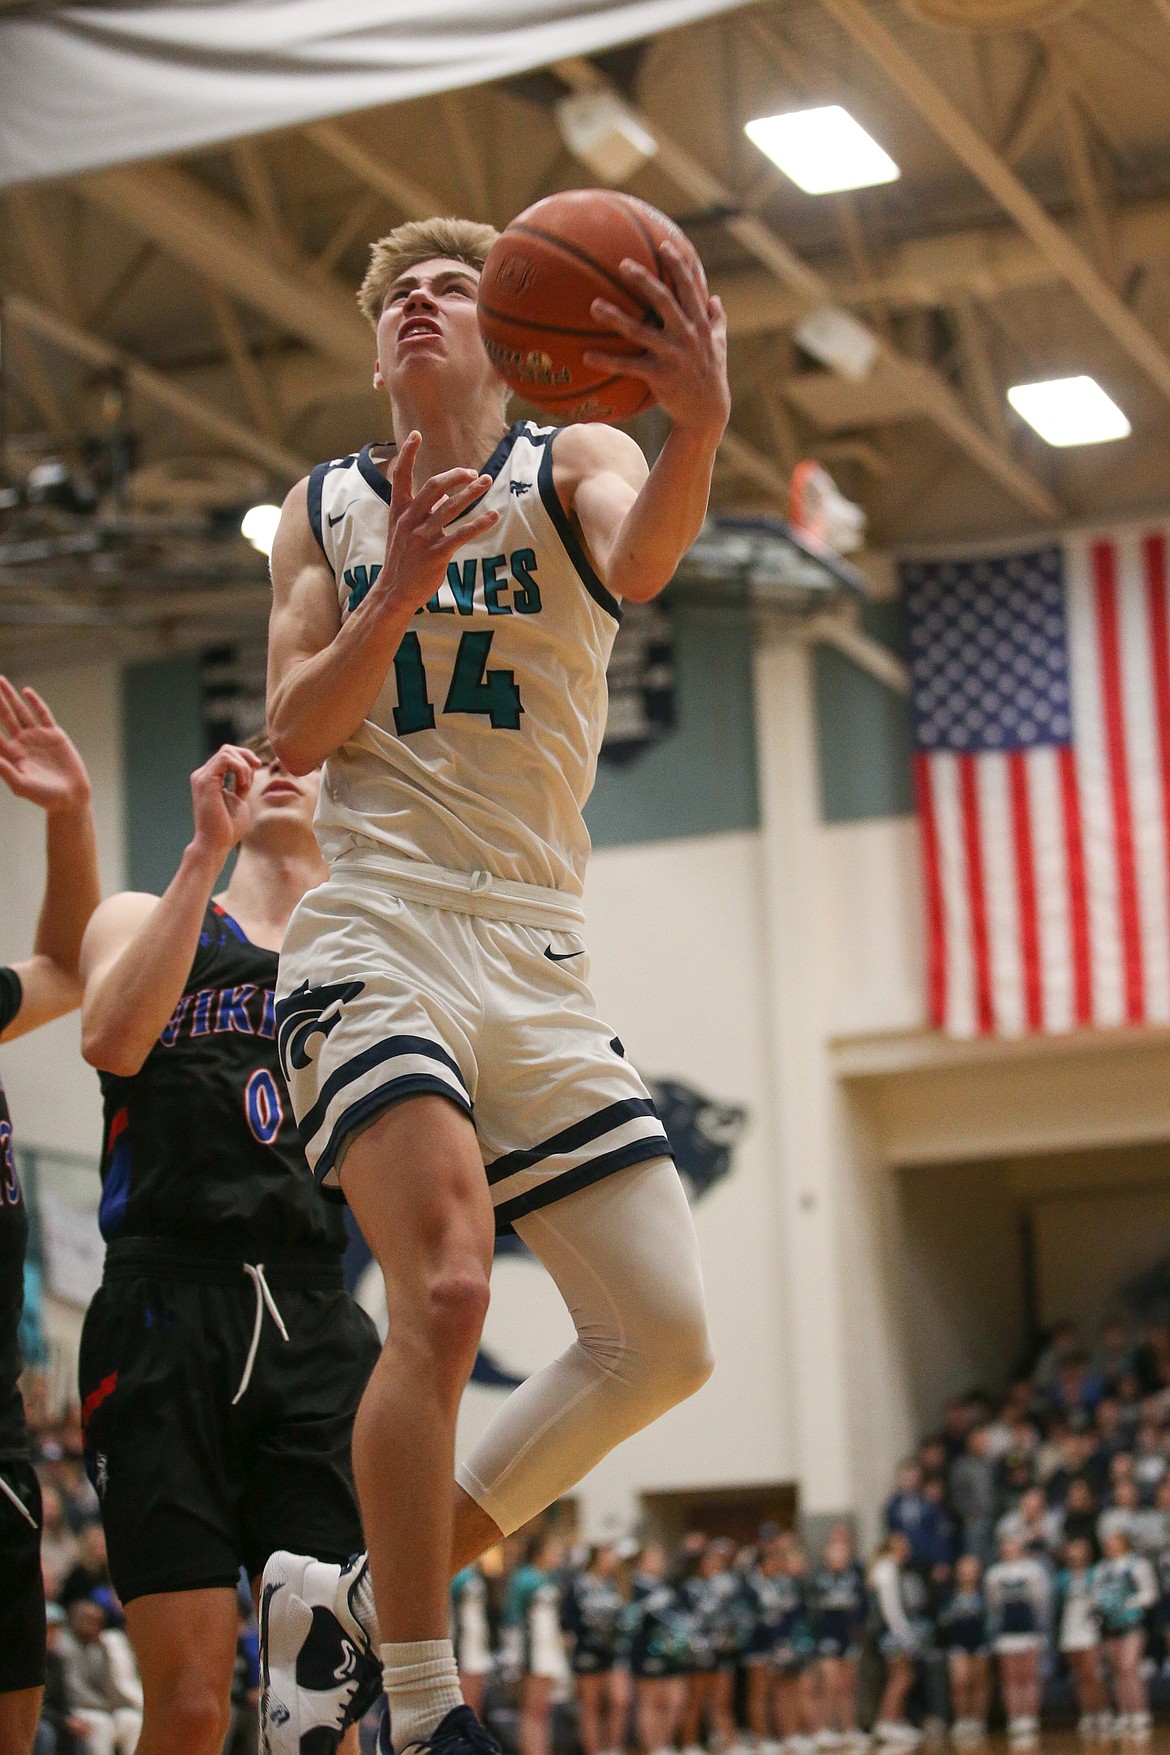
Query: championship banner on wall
pixel 641 683
pixel 1041 707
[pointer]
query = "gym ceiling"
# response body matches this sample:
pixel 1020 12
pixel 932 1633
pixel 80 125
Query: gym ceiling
pixel 180 337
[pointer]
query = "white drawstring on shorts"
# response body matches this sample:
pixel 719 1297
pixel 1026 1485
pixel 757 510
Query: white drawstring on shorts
pixel 264 1300
pixel 18 1502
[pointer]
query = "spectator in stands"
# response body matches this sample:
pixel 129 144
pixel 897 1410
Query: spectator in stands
pixel 1115 1355
pixel 1079 1516
pixel 59 1729
pixel 1124 1590
pixel 921 1519
pixel 59 1550
pixel 91 1569
pixel 1033 1524
pixel 1150 1462
pixel 962 1625
pixel 1079 1638
pixel 974 1494
pixel 101 1681
pixel 1075 1389
pixel 1120 1514
pixel 900 1606
pixel 1018 1600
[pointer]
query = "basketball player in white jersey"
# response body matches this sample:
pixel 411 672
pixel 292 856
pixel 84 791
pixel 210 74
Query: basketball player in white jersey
pixel 439 637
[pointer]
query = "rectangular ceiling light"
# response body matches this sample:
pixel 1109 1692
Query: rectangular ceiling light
pixel 823 151
pixel 1070 411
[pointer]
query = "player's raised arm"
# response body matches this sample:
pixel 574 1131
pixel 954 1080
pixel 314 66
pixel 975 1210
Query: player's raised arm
pixel 38 762
pixel 324 675
pixel 637 527
pixel 138 949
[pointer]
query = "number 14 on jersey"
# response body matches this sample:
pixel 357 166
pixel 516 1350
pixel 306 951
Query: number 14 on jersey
pixel 474 688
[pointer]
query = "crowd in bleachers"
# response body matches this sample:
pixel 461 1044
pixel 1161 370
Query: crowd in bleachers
pixel 93 1694
pixel 1023 1572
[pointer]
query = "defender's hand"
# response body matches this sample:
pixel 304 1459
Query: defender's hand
pixel 422 538
pixel 37 759
pixel 219 791
pixel 685 361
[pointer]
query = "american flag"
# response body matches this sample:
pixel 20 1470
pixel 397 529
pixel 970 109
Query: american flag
pixel 1041 703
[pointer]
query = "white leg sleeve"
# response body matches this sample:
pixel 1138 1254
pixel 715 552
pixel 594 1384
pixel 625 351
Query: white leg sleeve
pixel 626 1261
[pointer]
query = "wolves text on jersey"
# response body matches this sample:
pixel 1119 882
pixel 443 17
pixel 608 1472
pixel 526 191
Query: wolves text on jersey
pixel 504 584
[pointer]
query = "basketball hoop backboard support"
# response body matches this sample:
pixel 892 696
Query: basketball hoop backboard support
pixel 798 590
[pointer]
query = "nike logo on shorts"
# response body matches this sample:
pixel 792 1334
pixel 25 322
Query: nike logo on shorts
pixel 560 957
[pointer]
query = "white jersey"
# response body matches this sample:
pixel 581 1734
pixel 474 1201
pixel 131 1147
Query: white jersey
pixel 481 749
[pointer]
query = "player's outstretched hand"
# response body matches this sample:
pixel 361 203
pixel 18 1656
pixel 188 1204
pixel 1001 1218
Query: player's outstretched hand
pixel 685 361
pixel 422 537
pixel 219 792
pixel 37 759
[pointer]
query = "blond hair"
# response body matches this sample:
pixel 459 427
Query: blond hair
pixel 419 240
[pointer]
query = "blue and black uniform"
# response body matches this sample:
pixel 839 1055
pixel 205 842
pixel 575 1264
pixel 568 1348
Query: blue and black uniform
pixel 962 1622
pixel 591 1617
pixel 22 1599
pixel 656 1629
pixel 222 1360
pixel 717 1611
pixel 839 1607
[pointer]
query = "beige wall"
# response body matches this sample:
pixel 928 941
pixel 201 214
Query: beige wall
pixel 53 1095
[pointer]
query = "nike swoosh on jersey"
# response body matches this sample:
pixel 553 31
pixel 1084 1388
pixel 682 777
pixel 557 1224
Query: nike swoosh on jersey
pixel 562 957
pixel 331 520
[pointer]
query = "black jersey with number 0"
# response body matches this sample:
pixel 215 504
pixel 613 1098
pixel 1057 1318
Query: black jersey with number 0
pixel 200 1145
pixel 13 1242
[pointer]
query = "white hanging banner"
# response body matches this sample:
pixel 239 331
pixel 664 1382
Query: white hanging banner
pixel 82 87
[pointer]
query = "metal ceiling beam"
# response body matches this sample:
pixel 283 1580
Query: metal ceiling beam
pixel 151 385
pixel 1000 180
pixel 211 235
pixel 931 394
pixel 415 201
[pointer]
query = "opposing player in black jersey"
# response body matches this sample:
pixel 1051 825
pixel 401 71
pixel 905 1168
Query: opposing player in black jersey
pixel 40 764
pixel 221 1361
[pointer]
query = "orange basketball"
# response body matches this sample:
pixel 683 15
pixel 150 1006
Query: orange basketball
pixel 542 275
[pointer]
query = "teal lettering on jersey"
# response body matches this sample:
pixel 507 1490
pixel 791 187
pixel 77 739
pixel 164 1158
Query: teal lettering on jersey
pixel 523 567
pixel 461 579
pixel 460 584
pixel 492 584
pixel 360 581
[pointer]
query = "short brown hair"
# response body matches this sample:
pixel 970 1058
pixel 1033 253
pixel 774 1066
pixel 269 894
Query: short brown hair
pixel 260 745
pixel 463 240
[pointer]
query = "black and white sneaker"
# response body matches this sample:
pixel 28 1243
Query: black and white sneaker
pixel 460 1733
pixel 318 1671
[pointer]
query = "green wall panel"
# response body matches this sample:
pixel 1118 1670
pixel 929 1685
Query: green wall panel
pixel 863 730
pixel 162 744
pixel 701 779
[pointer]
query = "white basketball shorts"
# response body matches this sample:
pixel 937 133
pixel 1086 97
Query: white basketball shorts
pixel 399 979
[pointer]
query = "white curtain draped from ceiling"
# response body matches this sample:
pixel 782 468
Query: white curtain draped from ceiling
pixel 86 86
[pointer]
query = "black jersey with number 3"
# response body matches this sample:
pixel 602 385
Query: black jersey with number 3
pixel 200 1145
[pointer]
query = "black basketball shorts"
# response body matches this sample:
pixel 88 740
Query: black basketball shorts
pixel 195 1478
pixel 22 1598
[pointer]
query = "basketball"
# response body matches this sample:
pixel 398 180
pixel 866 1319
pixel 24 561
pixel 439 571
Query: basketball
pixel 538 283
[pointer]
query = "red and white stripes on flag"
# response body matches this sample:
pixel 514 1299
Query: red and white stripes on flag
pixel 1041 686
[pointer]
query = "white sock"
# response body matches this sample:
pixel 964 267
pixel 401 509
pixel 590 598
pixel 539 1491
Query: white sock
pixel 363 1608
pixel 422 1685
